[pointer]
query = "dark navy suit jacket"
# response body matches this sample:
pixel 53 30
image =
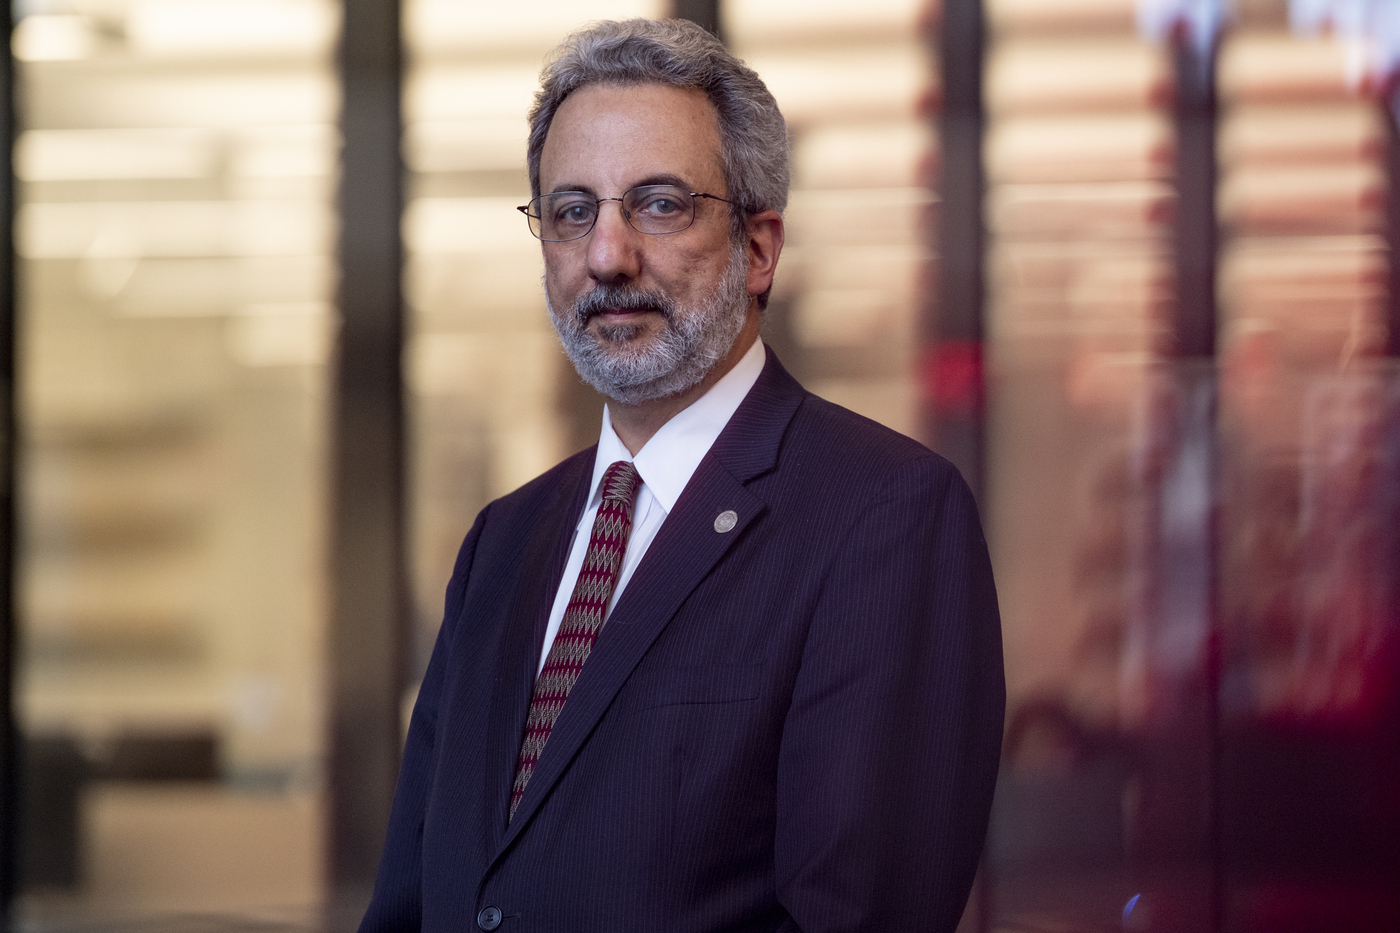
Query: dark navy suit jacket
pixel 790 726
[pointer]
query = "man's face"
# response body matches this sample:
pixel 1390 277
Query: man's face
pixel 642 316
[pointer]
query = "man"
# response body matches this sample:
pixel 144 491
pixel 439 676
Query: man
pixel 737 668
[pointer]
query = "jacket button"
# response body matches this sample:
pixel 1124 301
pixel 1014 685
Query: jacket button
pixel 489 918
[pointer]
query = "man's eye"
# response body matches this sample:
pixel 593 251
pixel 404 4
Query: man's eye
pixel 660 205
pixel 574 212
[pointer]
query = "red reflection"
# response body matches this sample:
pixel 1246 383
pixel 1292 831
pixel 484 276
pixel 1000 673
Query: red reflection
pixel 953 378
pixel 1199 560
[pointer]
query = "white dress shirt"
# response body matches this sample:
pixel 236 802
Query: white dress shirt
pixel 665 464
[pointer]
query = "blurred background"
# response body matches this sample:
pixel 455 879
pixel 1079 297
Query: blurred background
pixel 278 334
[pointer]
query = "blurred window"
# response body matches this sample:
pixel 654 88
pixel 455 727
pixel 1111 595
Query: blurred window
pixel 854 82
pixel 1079 153
pixel 1306 402
pixel 1195 556
pixel 177 163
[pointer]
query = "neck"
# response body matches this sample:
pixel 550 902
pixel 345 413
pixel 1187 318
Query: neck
pixel 636 424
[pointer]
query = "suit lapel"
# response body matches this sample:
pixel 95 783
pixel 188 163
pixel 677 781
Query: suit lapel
pixel 522 638
pixel 684 551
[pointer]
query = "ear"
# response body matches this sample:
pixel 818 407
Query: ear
pixel 765 231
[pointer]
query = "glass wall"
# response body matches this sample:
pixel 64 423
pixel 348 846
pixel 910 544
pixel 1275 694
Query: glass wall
pixel 1079 157
pixel 176 167
pixel 855 84
pixel 1303 266
pixel 1309 424
pixel 1079 288
pixel 1195 541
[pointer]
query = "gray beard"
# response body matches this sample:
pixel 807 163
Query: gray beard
pixel 689 345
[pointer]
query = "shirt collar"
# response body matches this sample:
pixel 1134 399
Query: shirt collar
pixel 668 461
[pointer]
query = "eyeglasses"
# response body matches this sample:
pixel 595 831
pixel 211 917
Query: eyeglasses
pixel 653 209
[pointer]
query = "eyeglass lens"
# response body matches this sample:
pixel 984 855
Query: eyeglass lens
pixel 654 209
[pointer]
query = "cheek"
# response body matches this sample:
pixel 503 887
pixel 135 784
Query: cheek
pixel 697 270
pixel 559 282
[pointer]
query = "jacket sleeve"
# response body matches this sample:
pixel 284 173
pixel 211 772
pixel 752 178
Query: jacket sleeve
pixel 891 744
pixel 397 904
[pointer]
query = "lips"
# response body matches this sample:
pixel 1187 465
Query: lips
pixel 620 301
pixel 623 312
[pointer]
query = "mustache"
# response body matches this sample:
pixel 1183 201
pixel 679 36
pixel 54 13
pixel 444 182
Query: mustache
pixel 603 298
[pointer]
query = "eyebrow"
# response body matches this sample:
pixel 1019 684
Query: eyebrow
pixel 664 178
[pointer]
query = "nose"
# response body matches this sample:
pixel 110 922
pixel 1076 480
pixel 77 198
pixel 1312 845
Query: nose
pixel 614 254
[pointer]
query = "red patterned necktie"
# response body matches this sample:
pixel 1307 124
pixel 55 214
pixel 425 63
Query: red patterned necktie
pixel 582 618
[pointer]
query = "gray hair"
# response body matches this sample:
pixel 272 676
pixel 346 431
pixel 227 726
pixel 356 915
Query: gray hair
pixel 677 53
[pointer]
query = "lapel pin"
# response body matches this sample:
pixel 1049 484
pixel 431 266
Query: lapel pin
pixel 726 520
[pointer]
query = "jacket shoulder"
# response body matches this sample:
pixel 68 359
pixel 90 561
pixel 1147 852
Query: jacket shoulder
pixel 838 440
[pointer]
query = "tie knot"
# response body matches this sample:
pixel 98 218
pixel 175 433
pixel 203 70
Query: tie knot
pixel 620 482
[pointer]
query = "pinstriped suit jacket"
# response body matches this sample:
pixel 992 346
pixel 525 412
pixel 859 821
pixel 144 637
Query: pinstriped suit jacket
pixel 790 726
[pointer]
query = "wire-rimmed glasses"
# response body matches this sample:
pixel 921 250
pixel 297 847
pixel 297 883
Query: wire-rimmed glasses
pixel 654 209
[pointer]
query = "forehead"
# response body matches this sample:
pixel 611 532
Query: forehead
pixel 606 138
